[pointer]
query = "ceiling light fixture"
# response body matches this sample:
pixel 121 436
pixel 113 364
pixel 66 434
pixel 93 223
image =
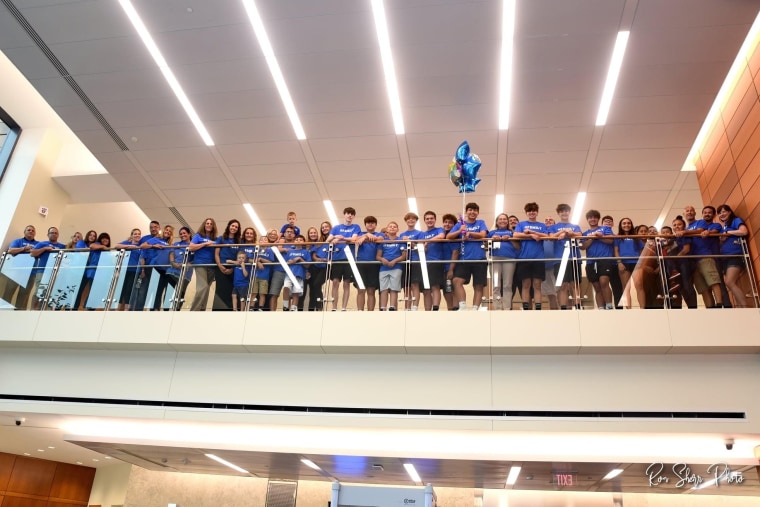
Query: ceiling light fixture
pixel 255 218
pixel 412 473
pixel 612 474
pixel 725 92
pixel 412 201
pixel 150 44
pixel 612 76
pixel 274 67
pixel 578 208
pixel 514 472
pixel 331 212
pixel 227 463
pixel 507 49
pixel 309 463
pixel 391 85
pixel 499 204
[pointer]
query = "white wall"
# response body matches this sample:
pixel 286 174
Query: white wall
pixel 110 485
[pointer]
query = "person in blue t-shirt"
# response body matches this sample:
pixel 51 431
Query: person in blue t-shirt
pixel 563 233
pixel 391 253
pixel 450 253
pixel 41 252
pixel 240 281
pixel 177 259
pixel 96 243
pixel 142 282
pixel 203 262
pixel 369 269
pixel 260 289
pixel 733 229
pixel 156 262
pixel 599 264
pixel 472 232
pixel 704 241
pixel 340 235
pixel 503 252
pixel 296 257
pixel 291 222
pixel 277 280
pixel 23 245
pixel 532 269
pixel 412 269
pixel 434 255
pixel 231 237
pixel 320 252
pixel 625 245
pixel 132 247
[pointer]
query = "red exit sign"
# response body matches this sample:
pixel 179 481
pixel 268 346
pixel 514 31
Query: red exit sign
pixel 565 479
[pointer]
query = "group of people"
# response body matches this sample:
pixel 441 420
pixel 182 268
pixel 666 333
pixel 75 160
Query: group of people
pixel 527 256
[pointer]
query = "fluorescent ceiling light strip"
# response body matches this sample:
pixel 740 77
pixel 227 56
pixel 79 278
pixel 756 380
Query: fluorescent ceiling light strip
pixel 255 218
pixel 274 67
pixel 354 268
pixel 412 472
pixel 286 268
pixel 507 49
pixel 227 463
pixel 391 85
pixel 413 205
pixel 612 474
pixel 612 76
pixel 150 44
pixel 330 212
pixel 724 93
pixel 499 204
pixel 580 200
pixel 658 224
pixel 423 266
pixel 514 472
pixel 309 463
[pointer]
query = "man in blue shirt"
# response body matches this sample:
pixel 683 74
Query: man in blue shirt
pixel 369 269
pixel 533 268
pixel 704 241
pixel 433 254
pixel 340 235
pixel 564 232
pixel 42 252
pixel 24 246
pixel 599 263
pixel 412 269
pixel 472 232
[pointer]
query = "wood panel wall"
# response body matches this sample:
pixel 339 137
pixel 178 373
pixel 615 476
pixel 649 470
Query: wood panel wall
pixel 728 168
pixel 32 482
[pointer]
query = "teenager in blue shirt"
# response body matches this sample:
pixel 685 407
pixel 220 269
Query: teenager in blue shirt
pixel 599 264
pixel 391 254
pixel 472 232
pixel 277 280
pixel 203 261
pixel 412 269
pixel 504 252
pixel 434 255
pixel 296 258
pixel 320 252
pixel 340 235
pixel 733 229
pixel 42 252
pixel 369 269
pixel 450 253
pixel 563 233
pixel 532 269
pixel 626 247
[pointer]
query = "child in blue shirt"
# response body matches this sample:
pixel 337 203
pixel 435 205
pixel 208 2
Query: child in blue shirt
pixel 295 257
pixel 240 279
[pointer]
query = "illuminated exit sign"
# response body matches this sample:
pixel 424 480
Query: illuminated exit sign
pixel 565 479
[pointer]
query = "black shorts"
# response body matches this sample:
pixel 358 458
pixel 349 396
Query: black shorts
pixel 413 273
pixel 478 271
pixel 341 270
pixel 572 271
pixel 436 275
pixel 598 269
pixel 370 274
pixel 535 270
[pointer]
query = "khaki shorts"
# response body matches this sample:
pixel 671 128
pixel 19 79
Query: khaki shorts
pixel 260 286
pixel 706 275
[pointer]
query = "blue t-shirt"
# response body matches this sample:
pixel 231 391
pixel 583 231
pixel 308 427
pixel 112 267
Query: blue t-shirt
pixel 559 245
pixel 266 257
pixel 503 248
pixel 134 255
pixel 408 236
pixel 704 246
pixel 92 259
pixel 390 251
pixel 298 268
pixel 629 247
pixel 156 256
pixel 284 249
pixel 204 255
pixel 531 248
pixel 238 278
pixel 598 248
pixel 346 231
pixel 180 249
pixel 22 243
pixel 320 253
pixel 368 249
pixel 433 249
pixel 448 248
pixel 471 250
pixel 295 228
pixel 732 245
pixel 41 262
pixel 227 253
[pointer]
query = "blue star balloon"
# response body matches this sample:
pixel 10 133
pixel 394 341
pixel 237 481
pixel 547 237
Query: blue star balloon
pixel 463 170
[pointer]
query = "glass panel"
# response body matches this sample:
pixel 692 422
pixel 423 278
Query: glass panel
pixel 16 273
pixel 101 277
pixel 42 280
pixel 68 284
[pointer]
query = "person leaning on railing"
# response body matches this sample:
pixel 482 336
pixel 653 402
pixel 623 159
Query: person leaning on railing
pixel 733 229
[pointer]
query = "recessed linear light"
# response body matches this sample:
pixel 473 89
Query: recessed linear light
pixel 274 67
pixel 725 92
pixel 227 463
pixel 40 450
pixel 381 26
pixel 51 447
pixel 79 462
pixel 514 472
pixel 331 212
pixel 612 474
pixel 150 44
pixel 255 218
pixel 499 204
pixel 612 76
pixel 412 201
pixel 412 472
pixel 27 454
pixel 507 49
pixel 309 463
pixel 580 200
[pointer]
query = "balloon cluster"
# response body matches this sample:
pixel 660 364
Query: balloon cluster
pixel 463 170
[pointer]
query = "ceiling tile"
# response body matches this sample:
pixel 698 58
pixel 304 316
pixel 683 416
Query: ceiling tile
pixel 551 139
pixel 189 178
pixel 549 162
pixel 250 130
pixel 539 183
pixel 202 196
pixel 361 170
pixel 672 135
pixel 84 21
pixel 175 158
pixel 261 153
pixel 425 144
pixel 378 189
pixel 657 159
pixel 154 137
pixel 553 113
pixel 348 123
pixel 142 113
pixel 264 174
pixel 354 148
pixel 98 56
pixel 632 181
pixel 287 192
pixel 32 63
pixel 447 118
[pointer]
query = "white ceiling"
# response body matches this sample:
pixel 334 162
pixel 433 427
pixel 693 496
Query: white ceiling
pixel 447 62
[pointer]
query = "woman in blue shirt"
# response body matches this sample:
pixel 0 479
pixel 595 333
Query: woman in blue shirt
pixel 96 244
pixel 131 244
pixel 730 244
pixel 204 263
pixel 222 256
pixel 627 247
pixel 504 253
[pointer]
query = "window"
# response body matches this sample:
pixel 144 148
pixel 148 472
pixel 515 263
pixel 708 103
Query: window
pixel 9 132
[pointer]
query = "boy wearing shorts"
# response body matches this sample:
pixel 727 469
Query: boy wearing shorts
pixel 240 280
